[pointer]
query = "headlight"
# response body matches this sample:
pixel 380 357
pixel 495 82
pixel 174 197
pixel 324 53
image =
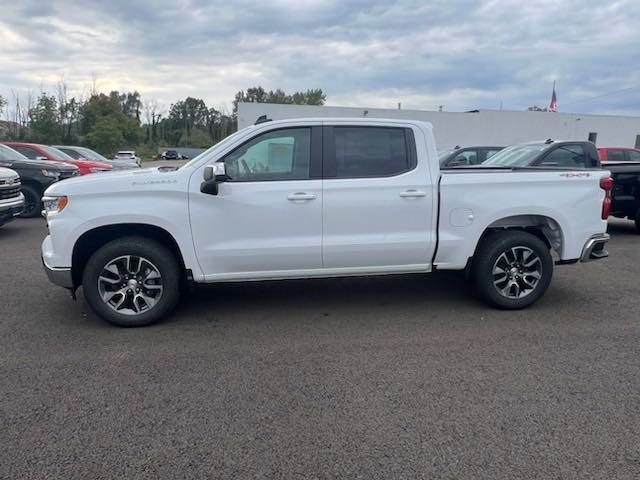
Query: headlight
pixel 49 173
pixel 54 204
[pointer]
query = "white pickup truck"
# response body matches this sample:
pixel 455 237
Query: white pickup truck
pixel 317 198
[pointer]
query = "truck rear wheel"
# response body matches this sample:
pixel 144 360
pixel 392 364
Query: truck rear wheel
pixel 512 269
pixel 132 281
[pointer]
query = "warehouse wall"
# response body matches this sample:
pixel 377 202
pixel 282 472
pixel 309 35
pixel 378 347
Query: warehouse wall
pixel 486 127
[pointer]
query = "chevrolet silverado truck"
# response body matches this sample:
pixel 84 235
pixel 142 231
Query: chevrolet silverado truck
pixel 311 198
pixel 11 199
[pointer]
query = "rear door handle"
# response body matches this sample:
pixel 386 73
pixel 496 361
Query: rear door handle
pixel 300 196
pixel 412 194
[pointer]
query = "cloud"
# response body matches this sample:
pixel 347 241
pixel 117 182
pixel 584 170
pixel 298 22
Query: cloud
pixel 461 54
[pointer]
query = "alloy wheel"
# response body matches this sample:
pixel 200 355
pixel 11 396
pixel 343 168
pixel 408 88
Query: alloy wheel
pixel 517 272
pixel 130 285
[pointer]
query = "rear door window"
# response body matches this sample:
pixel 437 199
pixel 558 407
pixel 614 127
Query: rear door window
pixel 28 152
pixel 369 152
pixel 615 155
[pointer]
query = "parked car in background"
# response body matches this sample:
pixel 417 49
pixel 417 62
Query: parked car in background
pixel 625 201
pixel 549 153
pixel 466 156
pixel 11 199
pixel 618 154
pixel 35 177
pixel 128 156
pixel 318 198
pixel 34 151
pixel 83 153
pixel 173 155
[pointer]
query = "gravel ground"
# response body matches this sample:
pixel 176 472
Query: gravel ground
pixel 373 378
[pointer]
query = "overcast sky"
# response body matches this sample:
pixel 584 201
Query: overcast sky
pixel 456 53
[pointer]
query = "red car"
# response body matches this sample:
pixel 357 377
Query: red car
pixel 35 151
pixel 619 154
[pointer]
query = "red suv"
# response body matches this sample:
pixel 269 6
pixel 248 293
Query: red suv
pixel 619 154
pixel 35 151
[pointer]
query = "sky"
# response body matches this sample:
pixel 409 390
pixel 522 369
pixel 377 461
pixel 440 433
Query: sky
pixel 460 54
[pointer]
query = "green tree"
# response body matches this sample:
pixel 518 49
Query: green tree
pixel 102 112
pixel 105 135
pixel 44 120
pixel 188 114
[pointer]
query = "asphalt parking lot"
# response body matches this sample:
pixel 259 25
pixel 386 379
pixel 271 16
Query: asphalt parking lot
pixel 395 377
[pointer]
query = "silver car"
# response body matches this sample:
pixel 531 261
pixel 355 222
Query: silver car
pixel 84 153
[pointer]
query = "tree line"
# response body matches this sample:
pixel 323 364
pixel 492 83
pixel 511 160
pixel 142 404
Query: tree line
pixel 118 120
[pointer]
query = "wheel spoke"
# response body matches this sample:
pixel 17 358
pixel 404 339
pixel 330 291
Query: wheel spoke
pixel 501 279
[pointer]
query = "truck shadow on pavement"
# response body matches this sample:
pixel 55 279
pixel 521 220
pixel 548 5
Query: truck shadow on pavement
pixel 401 294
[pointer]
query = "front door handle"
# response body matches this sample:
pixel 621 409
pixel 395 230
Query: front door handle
pixel 294 197
pixel 413 194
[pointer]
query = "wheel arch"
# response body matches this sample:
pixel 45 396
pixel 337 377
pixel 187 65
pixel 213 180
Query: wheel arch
pixel 93 239
pixel 544 227
pixel 33 184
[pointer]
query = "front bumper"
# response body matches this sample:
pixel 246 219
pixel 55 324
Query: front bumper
pixel 59 276
pixel 10 210
pixel 594 249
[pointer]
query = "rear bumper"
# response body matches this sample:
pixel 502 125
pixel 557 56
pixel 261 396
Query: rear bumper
pixel 11 209
pixel 595 249
pixel 59 276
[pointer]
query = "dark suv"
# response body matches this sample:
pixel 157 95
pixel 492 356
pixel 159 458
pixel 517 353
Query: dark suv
pixel 35 175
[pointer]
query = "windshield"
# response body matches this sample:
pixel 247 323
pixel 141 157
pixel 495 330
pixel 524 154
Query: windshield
pixel 517 155
pixel 55 153
pixel 7 153
pixel 218 145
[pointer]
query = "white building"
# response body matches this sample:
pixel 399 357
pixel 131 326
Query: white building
pixel 483 127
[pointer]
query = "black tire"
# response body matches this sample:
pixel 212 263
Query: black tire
pixel 160 257
pixel 32 202
pixel 637 220
pixel 495 254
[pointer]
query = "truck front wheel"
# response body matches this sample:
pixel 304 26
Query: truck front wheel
pixel 32 202
pixel 132 282
pixel 512 269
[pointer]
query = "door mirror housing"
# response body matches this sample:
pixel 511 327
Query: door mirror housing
pixel 216 171
pixel 40 157
pixel 212 176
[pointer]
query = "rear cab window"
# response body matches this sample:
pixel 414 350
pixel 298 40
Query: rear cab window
pixel 368 151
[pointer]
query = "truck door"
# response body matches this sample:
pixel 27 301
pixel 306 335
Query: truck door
pixel 377 200
pixel 266 220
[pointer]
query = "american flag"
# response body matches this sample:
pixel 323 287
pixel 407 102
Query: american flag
pixel 553 106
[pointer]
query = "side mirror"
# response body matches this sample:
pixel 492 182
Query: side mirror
pixel 212 176
pixel 40 157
